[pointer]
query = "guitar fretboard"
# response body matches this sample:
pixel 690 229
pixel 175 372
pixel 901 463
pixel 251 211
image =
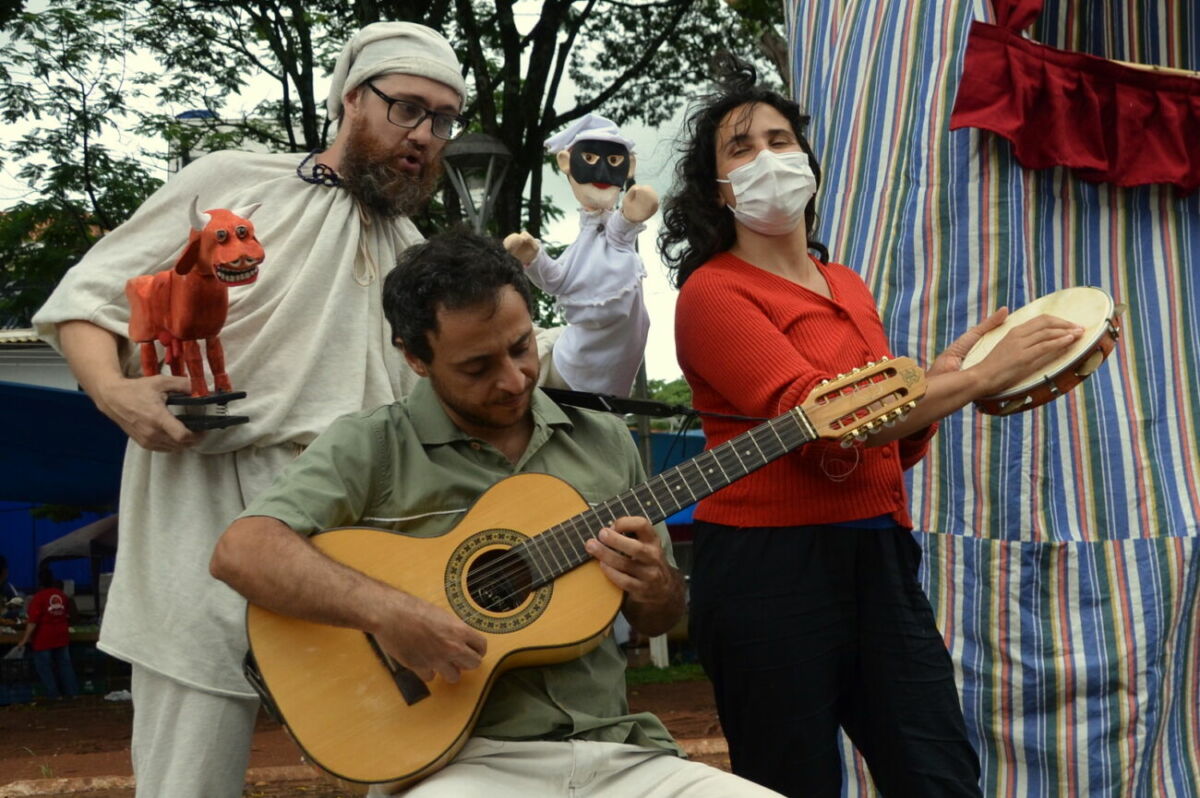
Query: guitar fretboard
pixel 561 548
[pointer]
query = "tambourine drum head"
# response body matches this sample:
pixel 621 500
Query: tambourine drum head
pixel 1090 308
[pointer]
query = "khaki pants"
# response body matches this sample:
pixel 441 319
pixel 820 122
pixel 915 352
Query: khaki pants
pixel 496 769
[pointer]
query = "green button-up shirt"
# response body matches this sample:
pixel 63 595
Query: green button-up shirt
pixel 408 468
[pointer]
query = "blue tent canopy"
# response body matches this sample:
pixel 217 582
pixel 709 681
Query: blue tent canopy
pixel 57 448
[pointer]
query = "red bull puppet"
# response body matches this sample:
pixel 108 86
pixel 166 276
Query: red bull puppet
pixel 182 305
pixel 597 280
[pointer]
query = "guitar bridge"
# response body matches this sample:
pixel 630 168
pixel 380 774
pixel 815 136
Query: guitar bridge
pixel 408 683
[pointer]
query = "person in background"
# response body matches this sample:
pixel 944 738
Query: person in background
pixel 48 633
pixel 805 606
pixel 11 600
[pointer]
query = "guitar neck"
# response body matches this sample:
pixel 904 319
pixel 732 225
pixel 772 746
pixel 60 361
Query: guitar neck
pixel 561 548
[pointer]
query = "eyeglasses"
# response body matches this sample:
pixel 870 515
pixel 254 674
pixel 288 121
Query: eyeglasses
pixel 402 113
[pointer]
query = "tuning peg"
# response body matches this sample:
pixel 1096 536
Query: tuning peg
pixel 870 365
pixel 861 435
pixel 838 377
pixel 848 441
pixel 884 359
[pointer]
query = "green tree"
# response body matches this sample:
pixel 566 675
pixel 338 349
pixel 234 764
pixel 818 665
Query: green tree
pixel 65 79
pixel 8 10
pixel 672 392
pixel 762 21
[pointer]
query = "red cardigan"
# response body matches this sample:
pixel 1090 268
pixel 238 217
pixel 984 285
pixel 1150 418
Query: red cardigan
pixel 754 344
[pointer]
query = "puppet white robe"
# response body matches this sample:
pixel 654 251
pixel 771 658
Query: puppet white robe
pixel 597 282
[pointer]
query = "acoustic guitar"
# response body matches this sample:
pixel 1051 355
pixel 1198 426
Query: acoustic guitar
pixel 515 569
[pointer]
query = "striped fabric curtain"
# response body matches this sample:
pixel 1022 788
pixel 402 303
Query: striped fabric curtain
pixel 1060 544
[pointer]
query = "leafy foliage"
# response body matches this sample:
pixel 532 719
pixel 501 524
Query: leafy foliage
pixel 65 79
pixel 673 392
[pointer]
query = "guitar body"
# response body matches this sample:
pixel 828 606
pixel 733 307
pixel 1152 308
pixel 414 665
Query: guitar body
pixel 332 688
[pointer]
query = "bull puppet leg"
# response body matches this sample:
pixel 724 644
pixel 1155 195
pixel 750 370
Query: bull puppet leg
pixel 216 363
pixel 195 367
pixel 173 356
pixel 149 359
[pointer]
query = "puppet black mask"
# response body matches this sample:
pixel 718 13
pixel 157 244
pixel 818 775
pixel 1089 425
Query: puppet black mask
pixel 603 162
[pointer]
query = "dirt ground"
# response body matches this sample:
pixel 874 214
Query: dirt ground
pixel 89 737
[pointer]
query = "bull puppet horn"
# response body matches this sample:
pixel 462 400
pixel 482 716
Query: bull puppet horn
pixel 199 220
pixel 249 209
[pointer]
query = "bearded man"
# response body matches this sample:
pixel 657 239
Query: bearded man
pixel 307 342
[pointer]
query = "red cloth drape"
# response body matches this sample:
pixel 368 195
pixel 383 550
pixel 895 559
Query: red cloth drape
pixel 1017 14
pixel 1112 123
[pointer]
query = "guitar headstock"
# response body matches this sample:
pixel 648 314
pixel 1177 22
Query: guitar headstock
pixel 870 397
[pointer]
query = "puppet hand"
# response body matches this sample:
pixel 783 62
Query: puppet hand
pixel 522 246
pixel 641 202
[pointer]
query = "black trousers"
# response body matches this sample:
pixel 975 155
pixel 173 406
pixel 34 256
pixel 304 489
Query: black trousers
pixel 804 629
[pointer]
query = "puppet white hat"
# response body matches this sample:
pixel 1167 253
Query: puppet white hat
pixel 386 48
pixel 592 127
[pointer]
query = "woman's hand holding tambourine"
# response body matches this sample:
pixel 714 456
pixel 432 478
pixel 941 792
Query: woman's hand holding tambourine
pixel 1024 350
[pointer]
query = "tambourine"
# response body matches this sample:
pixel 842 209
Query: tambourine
pixel 1090 308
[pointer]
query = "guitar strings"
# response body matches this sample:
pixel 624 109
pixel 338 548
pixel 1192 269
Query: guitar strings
pixel 511 564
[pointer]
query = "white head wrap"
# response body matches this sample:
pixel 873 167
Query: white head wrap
pixel 592 127
pixel 386 48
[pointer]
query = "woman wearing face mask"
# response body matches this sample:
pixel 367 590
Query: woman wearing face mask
pixel 805 606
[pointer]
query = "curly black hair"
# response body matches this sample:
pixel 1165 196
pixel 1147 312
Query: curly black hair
pixel 453 270
pixel 695 225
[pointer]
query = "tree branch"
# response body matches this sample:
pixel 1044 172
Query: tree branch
pixel 484 92
pixel 564 52
pixel 647 56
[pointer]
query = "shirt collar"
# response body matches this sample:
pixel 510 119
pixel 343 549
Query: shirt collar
pixel 434 427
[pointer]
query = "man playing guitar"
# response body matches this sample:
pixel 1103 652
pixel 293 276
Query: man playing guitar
pixel 459 307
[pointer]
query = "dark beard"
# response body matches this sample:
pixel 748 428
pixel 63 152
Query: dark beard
pixel 370 172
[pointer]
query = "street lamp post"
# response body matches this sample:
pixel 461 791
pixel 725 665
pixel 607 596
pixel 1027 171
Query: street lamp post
pixel 476 164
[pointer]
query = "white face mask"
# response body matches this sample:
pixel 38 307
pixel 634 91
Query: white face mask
pixel 772 191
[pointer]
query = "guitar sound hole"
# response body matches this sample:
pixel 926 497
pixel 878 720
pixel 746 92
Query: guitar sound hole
pixel 498 580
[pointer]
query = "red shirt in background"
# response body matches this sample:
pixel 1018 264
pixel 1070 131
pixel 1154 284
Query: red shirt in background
pixel 48 609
